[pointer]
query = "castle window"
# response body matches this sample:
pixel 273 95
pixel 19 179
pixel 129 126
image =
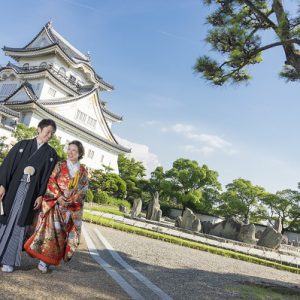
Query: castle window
pixel 62 71
pixel 26 66
pixel 81 116
pixel 12 77
pixel 102 158
pixel 72 79
pixel 91 154
pixel 91 122
pixel 52 92
pixel 43 65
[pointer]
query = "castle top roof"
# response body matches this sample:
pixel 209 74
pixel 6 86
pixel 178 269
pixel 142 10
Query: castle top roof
pixel 56 38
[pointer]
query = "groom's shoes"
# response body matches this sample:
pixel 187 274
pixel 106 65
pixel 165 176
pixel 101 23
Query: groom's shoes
pixel 7 269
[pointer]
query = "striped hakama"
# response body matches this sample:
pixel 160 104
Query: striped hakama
pixel 11 234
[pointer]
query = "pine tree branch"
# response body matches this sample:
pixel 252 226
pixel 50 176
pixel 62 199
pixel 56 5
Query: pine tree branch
pixel 266 47
pixel 259 13
pixel 286 42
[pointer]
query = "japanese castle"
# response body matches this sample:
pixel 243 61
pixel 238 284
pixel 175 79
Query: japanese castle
pixel 52 79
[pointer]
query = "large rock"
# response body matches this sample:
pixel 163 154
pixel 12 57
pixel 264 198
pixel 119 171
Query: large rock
pixel 136 208
pixel 196 226
pixel 278 225
pixel 270 238
pixel 178 221
pixel 188 220
pixel 206 226
pixel 285 240
pixel 158 215
pixel 228 229
pixel 123 208
pixel 247 234
pixel 258 234
pixel 154 212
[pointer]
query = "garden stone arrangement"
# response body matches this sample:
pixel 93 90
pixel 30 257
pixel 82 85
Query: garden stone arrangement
pixel 154 212
pixel 231 228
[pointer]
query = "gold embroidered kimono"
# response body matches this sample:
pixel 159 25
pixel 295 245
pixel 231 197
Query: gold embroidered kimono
pixel 58 228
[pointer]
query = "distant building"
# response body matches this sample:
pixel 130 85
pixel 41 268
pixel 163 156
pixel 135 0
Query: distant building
pixel 53 79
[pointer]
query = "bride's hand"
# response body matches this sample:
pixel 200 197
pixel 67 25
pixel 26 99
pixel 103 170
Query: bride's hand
pixel 38 203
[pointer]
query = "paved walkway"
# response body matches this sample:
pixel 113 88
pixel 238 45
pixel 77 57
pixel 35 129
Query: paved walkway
pixel 261 252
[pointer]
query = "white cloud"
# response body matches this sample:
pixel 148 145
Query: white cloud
pixel 200 150
pixel 207 143
pixel 141 153
pixel 151 123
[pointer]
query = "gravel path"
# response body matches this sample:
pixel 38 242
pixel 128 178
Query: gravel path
pixel 186 273
pixel 81 278
pixel 180 272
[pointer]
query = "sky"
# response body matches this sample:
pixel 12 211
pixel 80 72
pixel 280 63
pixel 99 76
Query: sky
pixel 147 49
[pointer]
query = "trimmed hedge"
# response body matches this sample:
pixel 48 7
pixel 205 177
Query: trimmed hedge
pixel 108 210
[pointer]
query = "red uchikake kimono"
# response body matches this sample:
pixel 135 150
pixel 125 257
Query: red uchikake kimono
pixel 57 233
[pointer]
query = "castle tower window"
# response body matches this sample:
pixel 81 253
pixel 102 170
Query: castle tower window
pixel 81 116
pixel 91 122
pixel 26 66
pixel 66 145
pixel 12 77
pixel 72 79
pixel 62 71
pixel 91 154
pixel 52 92
pixel 43 65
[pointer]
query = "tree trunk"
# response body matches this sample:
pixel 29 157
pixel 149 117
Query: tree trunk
pixel 283 32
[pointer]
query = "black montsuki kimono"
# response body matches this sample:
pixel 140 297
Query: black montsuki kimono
pixel 24 154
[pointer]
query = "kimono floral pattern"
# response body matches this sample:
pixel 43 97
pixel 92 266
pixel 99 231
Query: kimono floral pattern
pixel 57 233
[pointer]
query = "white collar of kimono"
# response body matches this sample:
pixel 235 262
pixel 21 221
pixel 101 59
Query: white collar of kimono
pixel 39 145
pixel 73 168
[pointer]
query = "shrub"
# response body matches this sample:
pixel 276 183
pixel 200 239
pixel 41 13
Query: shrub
pixel 89 196
pixel 102 197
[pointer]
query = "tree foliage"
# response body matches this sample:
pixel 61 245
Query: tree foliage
pixel 24 132
pixel 3 148
pixel 186 181
pixel 108 182
pixel 132 172
pixel 237 34
pixel 286 205
pixel 241 200
pixel 158 183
